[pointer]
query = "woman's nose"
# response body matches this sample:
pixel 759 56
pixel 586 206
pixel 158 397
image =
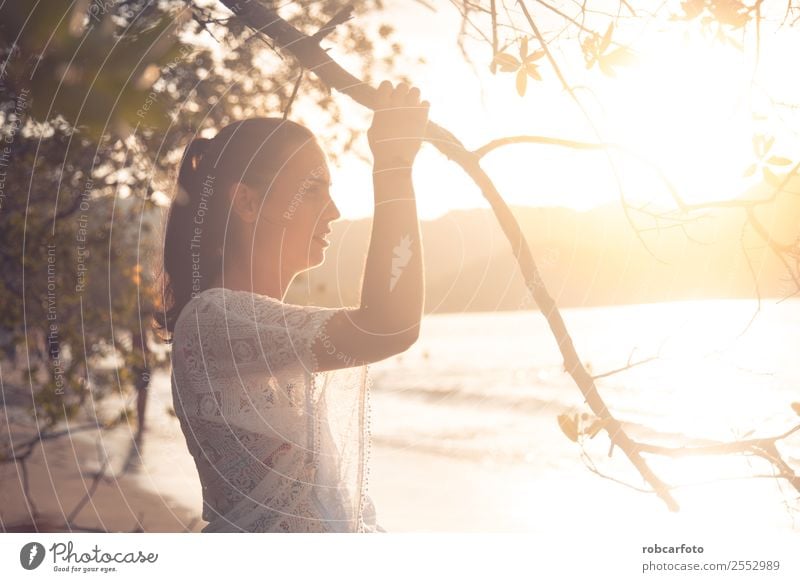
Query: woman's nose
pixel 332 212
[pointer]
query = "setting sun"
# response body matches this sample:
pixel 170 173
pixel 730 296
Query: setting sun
pixel 687 107
pixel 687 111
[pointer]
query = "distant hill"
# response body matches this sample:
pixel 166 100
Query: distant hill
pixel 586 258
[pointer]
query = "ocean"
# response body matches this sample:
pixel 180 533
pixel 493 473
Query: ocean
pixel 488 388
pixel 472 381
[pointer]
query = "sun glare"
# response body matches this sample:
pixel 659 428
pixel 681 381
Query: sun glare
pixel 687 108
pixel 690 107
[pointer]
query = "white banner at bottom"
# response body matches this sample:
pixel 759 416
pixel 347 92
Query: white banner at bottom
pixel 551 556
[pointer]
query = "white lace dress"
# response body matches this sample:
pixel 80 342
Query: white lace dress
pixel 279 446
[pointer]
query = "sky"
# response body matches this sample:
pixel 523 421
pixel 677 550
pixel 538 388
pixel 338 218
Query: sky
pixel 686 107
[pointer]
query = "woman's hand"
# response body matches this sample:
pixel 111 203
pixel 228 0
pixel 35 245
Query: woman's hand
pixel 398 125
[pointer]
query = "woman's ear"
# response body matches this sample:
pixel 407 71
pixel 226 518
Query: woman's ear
pixel 245 202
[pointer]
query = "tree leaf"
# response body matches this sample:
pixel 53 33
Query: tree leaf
pixel 750 171
pixel 606 68
pixel 733 42
pixel 522 82
pixel 779 161
pixel 506 62
pixel 535 56
pixel 796 407
pixel 771 178
pixel 533 71
pixel 604 44
pixel 523 48
pixel 620 57
pixel 568 427
pixel 758 145
pixel 692 8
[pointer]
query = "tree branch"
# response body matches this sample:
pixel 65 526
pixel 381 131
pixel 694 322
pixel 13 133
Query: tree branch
pixel 307 50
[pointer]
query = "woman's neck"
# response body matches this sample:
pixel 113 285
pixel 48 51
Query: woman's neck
pixel 264 281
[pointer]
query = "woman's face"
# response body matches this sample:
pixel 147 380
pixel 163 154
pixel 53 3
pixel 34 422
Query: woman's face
pixel 296 215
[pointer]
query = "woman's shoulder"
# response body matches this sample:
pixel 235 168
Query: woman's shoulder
pixel 224 308
pixel 204 308
pixel 237 304
pixel 199 302
pixel 243 324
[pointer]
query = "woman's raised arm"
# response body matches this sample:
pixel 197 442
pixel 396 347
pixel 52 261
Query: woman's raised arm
pixel 392 291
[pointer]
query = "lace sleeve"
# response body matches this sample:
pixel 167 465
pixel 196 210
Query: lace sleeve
pixel 276 450
pixel 285 332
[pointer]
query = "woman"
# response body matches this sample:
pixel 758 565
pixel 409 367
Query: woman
pixel 272 397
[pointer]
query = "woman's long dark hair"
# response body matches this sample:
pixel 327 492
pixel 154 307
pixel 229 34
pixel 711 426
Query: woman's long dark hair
pixel 246 151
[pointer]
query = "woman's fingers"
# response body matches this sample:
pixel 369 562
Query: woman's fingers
pixel 404 99
pixel 425 107
pixel 403 95
pixel 399 94
pixel 413 96
pixel 399 123
pixel 384 96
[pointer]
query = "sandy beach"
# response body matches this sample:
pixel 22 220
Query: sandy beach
pixel 153 486
pixel 161 492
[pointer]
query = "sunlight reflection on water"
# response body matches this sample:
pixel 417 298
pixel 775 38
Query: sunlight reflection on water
pixel 489 386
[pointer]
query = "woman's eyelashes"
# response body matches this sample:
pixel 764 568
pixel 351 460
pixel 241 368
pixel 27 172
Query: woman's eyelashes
pixel 319 193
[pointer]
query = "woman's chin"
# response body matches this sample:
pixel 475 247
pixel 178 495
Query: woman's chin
pixel 318 246
pixel 316 256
